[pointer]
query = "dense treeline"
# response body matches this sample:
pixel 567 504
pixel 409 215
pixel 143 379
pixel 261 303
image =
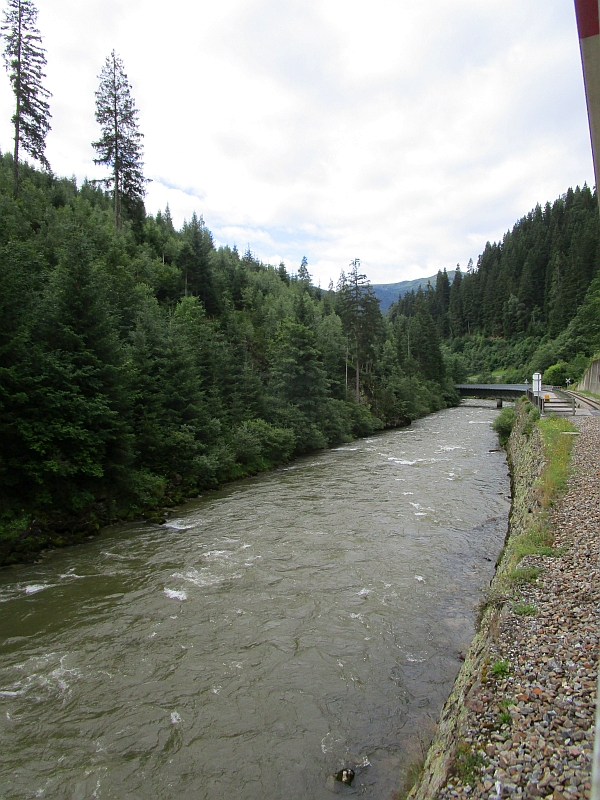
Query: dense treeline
pixel 140 364
pixel 532 302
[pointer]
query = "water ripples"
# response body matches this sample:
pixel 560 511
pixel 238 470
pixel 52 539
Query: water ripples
pixel 265 636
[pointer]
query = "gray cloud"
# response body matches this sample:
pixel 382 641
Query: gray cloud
pixel 406 134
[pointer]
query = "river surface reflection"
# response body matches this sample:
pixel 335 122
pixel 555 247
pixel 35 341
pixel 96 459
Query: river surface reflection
pixel 267 635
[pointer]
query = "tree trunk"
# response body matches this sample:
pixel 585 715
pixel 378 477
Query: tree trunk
pixel 16 155
pixel 116 133
pixel 346 367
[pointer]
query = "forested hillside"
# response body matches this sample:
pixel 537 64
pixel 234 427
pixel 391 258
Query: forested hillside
pixel 531 304
pixel 389 293
pixel 140 365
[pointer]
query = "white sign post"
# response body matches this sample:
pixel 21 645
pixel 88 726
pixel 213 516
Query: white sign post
pixel 537 388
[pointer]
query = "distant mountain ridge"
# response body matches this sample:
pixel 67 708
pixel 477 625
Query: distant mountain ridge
pixel 388 293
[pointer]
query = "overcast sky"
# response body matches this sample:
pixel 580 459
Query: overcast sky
pixel 402 132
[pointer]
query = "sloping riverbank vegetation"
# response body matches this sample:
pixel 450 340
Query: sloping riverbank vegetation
pixel 532 302
pixel 141 364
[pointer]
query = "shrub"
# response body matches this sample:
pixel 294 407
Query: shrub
pixel 260 445
pixel 533 416
pixel 556 375
pixel 503 424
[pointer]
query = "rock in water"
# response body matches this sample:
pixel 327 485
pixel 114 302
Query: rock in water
pixel 345 776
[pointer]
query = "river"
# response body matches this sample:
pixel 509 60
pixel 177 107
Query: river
pixel 269 634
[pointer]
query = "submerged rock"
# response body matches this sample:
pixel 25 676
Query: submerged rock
pixel 336 783
pixel 345 776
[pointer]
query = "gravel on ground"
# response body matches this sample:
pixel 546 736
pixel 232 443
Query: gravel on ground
pixel 530 724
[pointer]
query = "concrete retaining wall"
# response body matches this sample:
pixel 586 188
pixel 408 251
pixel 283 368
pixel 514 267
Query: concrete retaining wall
pixel 591 379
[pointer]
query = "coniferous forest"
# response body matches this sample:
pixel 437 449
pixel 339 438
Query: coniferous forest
pixel 141 364
pixel 532 302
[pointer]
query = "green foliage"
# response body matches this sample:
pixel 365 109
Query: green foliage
pixel 559 373
pixel 531 304
pixel 358 309
pixel 119 147
pixel 25 59
pixel 525 609
pixel 524 575
pixel 537 538
pixel 504 718
pixel 504 423
pixel 467 763
pixel 556 375
pixel 139 364
pixel 533 415
pixel 500 668
pixel 558 456
pixel 259 445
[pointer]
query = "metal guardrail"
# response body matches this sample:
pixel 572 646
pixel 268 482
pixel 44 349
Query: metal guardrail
pixel 534 399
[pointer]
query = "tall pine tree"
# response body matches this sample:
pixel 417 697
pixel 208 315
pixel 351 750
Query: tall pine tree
pixel 25 59
pixel 120 145
pixel 359 309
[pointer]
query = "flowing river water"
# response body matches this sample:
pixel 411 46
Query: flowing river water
pixel 269 634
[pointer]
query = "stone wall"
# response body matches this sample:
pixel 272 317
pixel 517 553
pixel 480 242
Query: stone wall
pixel 591 379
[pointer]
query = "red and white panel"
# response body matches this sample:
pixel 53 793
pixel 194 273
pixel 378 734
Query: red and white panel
pixel 588 25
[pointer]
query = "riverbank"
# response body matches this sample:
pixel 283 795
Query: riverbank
pixel 520 719
pixel 29 528
pixel 27 538
pixel 24 540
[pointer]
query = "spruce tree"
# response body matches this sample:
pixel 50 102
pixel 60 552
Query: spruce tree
pixel 120 145
pixel 303 273
pixel 359 309
pixel 25 59
pixel 194 262
pixel 455 304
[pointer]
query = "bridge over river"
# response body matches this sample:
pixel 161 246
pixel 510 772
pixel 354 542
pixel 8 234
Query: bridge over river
pixel 496 391
pixel 552 400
